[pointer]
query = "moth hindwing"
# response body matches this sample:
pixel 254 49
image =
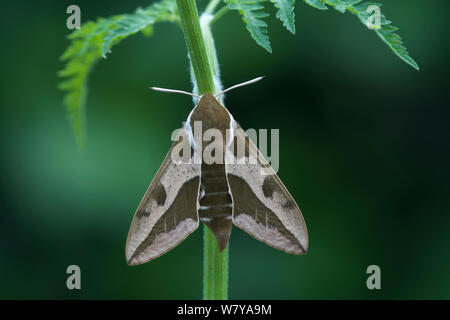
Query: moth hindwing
pixel 232 189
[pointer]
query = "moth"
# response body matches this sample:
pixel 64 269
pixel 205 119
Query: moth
pixel 219 194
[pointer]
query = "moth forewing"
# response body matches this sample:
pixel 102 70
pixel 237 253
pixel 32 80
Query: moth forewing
pixel 263 206
pixel 167 213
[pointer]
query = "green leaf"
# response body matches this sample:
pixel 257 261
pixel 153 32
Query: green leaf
pixel 386 31
pixel 252 14
pixel 93 41
pixel 130 24
pixel 318 4
pixel 286 13
pixel 84 51
pixel 342 5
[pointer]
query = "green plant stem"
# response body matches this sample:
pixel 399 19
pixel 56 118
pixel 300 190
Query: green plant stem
pixel 205 76
pixel 190 23
pixel 212 5
pixel 215 268
pixel 220 13
pixel 205 24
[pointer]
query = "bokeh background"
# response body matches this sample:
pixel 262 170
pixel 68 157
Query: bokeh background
pixel 364 142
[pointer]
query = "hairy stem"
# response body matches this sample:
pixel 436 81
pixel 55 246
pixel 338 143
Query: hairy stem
pixel 212 5
pixel 220 13
pixel 190 23
pixel 205 24
pixel 206 78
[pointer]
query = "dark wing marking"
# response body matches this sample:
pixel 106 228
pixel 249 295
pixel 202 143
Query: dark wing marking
pixel 167 213
pixel 173 226
pixel 263 206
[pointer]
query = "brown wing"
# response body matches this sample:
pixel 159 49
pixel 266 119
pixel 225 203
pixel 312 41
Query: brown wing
pixel 263 206
pixel 167 213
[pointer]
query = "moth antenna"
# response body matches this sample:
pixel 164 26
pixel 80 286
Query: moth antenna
pixel 175 91
pixel 238 85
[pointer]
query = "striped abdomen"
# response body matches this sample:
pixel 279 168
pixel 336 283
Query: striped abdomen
pixel 215 202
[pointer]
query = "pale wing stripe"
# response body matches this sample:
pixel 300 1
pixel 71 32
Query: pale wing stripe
pixel 280 201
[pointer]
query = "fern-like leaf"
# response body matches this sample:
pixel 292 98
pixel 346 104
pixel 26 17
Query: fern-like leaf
pixel 318 4
pixel 130 24
pixel 82 54
pixel 93 41
pixel 341 5
pixel 252 14
pixel 386 32
pixel 286 13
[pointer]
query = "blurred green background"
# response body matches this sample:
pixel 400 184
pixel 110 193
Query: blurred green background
pixel 364 143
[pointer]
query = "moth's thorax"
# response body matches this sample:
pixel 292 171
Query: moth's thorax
pixel 211 114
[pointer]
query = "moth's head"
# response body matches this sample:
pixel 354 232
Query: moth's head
pixel 208 98
pixel 211 113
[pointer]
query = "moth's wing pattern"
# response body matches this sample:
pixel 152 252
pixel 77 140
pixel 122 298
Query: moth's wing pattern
pixel 167 213
pixel 263 206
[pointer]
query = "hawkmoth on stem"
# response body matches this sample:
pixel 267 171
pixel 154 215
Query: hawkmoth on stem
pixel 228 184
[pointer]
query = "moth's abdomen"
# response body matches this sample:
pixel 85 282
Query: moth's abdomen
pixel 215 202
